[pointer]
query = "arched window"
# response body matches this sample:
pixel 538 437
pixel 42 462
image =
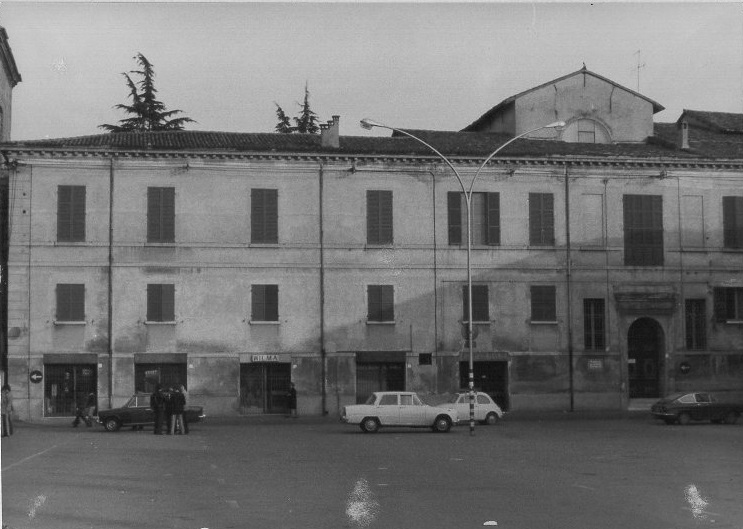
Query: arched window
pixel 586 130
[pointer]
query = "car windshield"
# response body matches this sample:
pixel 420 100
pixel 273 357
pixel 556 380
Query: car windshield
pixel 371 399
pixel 674 396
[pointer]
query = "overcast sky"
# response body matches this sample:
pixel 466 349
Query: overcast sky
pixel 419 65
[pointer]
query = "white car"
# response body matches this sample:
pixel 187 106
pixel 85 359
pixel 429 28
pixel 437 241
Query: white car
pixel 398 408
pixel 486 410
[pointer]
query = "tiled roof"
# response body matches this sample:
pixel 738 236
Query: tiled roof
pixel 705 142
pixel 726 122
pixel 448 142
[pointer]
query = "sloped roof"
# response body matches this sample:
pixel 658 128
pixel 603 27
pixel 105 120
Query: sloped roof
pixel 450 143
pixel 8 59
pixel 706 142
pixel 726 122
pixel 657 107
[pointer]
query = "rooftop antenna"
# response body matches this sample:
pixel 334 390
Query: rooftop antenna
pixel 640 64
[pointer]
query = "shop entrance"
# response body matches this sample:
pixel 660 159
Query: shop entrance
pixel 645 344
pixel 66 386
pixel 490 377
pixel 264 387
pixel 378 376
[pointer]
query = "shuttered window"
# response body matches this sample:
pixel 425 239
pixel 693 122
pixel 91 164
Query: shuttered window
pixel 480 304
pixel 70 302
pixel 728 304
pixel 732 221
pixel 265 303
pixel 378 217
pixel 696 324
pixel 485 218
pixel 594 334
pixel 543 304
pixel 161 214
pixel 264 216
pixel 161 302
pixel 381 301
pixel 71 213
pixel 643 230
pixel 541 219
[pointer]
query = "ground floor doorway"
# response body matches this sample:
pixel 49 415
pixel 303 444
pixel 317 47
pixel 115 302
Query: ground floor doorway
pixel 67 386
pixel 378 376
pixel 645 345
pixel 491 377
pixel 264 387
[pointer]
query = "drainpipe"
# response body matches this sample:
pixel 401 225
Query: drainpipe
pixel 110 281
pixel 323 353
pixel 568 284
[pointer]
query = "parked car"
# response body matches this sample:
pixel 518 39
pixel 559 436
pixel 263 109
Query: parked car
pixel 398 408
pixel 695 406
pixel 137 412
pixel 486 410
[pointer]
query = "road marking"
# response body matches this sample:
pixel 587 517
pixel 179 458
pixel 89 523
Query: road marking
pixel 28 458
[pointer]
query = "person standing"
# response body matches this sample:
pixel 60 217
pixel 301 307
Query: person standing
pixel 178 403
pixel 7 411
pixel 156 403
pixel 90 406
pixel 168 406
pixel 185 403
pixel 81 411
pixel 292 400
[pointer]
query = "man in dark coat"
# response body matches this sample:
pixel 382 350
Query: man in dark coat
pixel 157 405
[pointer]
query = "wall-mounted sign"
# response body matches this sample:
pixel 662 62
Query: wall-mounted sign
pixel 264 358
pixel 596 364
pixel 36 376
pixel 684 367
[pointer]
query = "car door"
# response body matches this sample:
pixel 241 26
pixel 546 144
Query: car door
pixel 388 409
pixel 702 409
pixel 463 407
pixel 412 412
pixel 142 412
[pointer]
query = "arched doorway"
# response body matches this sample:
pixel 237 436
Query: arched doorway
pixel 645 346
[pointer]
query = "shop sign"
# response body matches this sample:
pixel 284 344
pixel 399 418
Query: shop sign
pixel 685 367
pixel 264 358
pixel 595 365
pixel 36 376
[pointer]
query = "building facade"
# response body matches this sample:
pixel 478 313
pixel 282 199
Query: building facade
pixel 606 261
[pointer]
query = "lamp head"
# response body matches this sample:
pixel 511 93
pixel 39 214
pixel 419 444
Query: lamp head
pixel 559 125
pixel 369 124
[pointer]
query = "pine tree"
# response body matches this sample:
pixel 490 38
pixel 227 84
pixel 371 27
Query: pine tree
pixel 307 120
pixel 147 112
pixel 284 125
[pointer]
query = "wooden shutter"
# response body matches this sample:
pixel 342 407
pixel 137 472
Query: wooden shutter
pixel 643 230
pixel 161 214
pixel 543 303
pixel 379 217
pixel 168 215
pixel 265 303
pixel 454 216
pixel 70 302
pixel 732 221
pixel 71 213
pixel 480 303
pixel 160 302
pixel 380 303
pixel 492 218
pixel 264 214
pixel 721 303
pixel 541 219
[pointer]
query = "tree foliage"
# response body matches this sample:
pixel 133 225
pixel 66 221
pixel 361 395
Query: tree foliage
pixel 306 122
pixel 147 113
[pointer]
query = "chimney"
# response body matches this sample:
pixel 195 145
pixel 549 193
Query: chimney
pixel 684 140
pixel 329 136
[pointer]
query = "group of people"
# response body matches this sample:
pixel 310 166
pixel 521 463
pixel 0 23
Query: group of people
pixel 169 406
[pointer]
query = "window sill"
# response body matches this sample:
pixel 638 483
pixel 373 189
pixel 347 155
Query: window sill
pixel 478 322
pixel 378 246
pixel 370 322
pixel 62 322
pixel 263 244
pixel 148 322
pixel 70 243
pixel 543 322
pixel 733 322
pixel 160 244
pixel 258 322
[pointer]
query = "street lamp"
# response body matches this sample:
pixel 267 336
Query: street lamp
pixel 369 124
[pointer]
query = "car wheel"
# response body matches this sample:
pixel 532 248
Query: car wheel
pixel 442 424
pixel 491 418
pixel 731 417
pixel 669 421
pixel 684 419
pixel 370 425
pixel 112 424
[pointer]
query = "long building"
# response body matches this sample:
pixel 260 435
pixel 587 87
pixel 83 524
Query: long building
pixel 606 261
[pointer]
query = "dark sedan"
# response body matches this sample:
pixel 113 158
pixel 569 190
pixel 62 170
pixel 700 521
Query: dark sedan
pixel 137 412
pixel 696 406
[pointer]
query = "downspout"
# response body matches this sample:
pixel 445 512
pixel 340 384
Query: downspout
pixel 568 283
pixel 4 257
pixel 110 281
pixel 323 353
pixel 682 300
pixel 435 289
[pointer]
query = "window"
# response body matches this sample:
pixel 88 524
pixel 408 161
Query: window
pixel 586 131
pixel 70 302
pixel 381 303
pixel 71 213
pixel 406 400
pixel 543 304
pixel 732 221
pixel 643 230
pixel 264 216
pixel 378 217
pixel 541 219
pixel 388 400
pixel 696 324
pixel 161 303
pixel 161 214
pixel 265 303
pixel 594 337
pixel 485 218
pixel 480 304
pixel 728 304
pixel 67 384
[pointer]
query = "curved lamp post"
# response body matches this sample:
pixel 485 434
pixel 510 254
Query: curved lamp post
pixel 369 124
